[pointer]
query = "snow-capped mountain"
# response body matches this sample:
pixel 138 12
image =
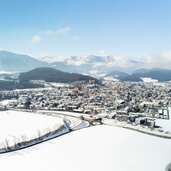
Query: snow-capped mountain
pixel 87 64
pixel 99 65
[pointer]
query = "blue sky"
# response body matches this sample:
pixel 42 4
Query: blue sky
pixel 133 28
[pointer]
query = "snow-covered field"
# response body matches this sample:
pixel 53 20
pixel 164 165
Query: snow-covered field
pixel 59 84
pixel 101 148
pixel 6 102
pixel 165 124
pixel 17 125
pixel 111 78
pixel 149 80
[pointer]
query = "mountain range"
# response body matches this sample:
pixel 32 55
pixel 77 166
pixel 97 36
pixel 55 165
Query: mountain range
pixel 90 65
pixel 11 62
pixel 138 75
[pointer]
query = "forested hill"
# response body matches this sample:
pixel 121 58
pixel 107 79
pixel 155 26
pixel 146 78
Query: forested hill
pixel 52 75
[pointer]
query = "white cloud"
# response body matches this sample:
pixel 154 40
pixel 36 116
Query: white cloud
pixel 79 59
pixel 51 58
pixel 36 39
pixel 61 31
pixel 107 61
pixel 122 61
pixel 50 32
pixel 85 58
pixel 161 60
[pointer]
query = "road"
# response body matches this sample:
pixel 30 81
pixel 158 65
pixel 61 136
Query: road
pixel 74 119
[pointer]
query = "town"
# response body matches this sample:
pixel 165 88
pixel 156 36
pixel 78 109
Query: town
pixel 130 102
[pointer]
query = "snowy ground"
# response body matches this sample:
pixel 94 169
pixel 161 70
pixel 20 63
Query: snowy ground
pixel 72 117
pixel 149 80
pixel 111 78
pixel 59 84
pixel 6 102
pixel 15 125
pixel 165 124
pixel 101 148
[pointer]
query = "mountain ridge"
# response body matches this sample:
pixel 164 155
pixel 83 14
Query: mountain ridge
pixel 52 75
pixel 11 62
pixel 100 65
pixel 154 73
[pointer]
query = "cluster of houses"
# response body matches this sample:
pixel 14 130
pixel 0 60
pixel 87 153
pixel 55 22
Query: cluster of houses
pixel 135 119
pixel 144 99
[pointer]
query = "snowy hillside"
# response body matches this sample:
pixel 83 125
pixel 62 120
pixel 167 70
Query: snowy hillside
pixel 101 148
pixel 15 126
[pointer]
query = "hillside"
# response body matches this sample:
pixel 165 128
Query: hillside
pixel 154 73
pixel 143 70
pixel 12 85
pixel 53 75
pixel 11 62
pixel 101 148
pixel 118 75
pixel 158 74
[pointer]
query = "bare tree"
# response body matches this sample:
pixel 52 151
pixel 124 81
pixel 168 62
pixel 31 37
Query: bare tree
pixel 23 138
pixel 7 146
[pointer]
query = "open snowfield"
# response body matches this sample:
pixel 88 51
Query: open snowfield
pixel 101 148
pixel 165 124
pixel 6 102
pixel 14 125
pixel 149 80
